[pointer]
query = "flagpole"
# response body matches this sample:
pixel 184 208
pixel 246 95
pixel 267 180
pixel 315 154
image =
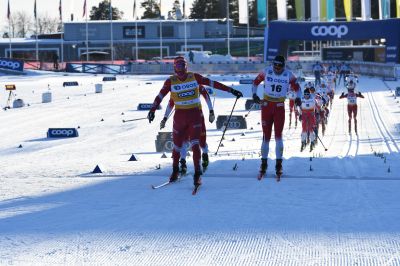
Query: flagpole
pixel 87 34
pixel 111 34
pixel 161 40
pixel 61 35
pixel 184 23
pixel 248 32
pixel 9 27
pixel 37 43
pixel 227 25
pixel 136 33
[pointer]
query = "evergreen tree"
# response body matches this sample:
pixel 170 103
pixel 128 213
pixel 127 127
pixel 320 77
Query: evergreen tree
pixel 206 9
pixel 102 12
pixel 152 9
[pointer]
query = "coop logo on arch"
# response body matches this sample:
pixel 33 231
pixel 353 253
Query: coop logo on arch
pixel 333 30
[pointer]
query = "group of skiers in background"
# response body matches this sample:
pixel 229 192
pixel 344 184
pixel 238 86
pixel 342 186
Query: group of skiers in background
pixel 310 106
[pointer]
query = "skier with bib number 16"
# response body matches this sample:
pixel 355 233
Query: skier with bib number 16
pixel 278 80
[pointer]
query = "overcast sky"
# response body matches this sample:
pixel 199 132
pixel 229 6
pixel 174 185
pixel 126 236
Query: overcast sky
pixel 76 7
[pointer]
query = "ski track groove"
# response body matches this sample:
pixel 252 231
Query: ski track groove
pixel 383 123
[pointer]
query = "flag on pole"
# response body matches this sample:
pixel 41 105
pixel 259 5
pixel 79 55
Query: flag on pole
pixel 60 10
pixel 84 8
pixel 398 8
pixel 184 12
pixel 348 9
pixel 330 10
pixel 262 6
pixel 300 12
pixel 34 10
pixel 322 10
pixel 243 11
pixel 8 10
pixel 281 9
pixel 134 9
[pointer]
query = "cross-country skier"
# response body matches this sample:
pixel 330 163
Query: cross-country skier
pixel 292 95
pixel 203 135
pixel 318 69
pixel 277 81
pixel 307 117
pixel 352 96
pixel 185 92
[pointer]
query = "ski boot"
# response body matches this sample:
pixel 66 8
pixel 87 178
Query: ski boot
pixel 312 145
pixel 205 161
pixel 175 174
pixel 183 169
pixel 278 169
pixel 303 145
pixel 196 181
pixel 263 168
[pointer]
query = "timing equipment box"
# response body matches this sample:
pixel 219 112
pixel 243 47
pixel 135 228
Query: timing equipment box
pixel 146 106
pixel 251 105
pixel 62 133
pixel 236 122
pixel 164 142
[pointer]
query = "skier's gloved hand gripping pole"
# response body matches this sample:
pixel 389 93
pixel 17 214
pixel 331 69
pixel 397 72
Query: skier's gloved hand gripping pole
pixel 238 94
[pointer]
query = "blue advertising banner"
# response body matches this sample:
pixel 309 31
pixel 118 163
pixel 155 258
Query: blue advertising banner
pixel 388 29
pixel 12 64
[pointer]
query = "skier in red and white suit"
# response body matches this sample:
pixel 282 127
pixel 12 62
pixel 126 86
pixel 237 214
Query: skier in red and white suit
pixel 278 81
pixel 203 135
pixel 185 92
pixel 352 103
pixel 292 95
pixel 308 105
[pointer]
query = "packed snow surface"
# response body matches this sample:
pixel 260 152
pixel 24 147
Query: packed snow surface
pixel 334 207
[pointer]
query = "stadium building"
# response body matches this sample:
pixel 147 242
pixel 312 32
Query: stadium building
pixel 128 37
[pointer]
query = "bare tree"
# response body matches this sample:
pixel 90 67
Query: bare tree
pixel 47 24
pixel 13 27
pixel 23 24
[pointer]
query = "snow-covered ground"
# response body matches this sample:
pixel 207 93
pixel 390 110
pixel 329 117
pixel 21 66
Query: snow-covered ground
pixel 54 211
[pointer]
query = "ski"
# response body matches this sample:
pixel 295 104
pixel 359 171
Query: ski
pixel 195 189
pixel 166 183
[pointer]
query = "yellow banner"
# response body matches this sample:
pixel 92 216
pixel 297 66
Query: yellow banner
pixel 398 8
pixel 322 10
pixel 347 9
pixel 300 9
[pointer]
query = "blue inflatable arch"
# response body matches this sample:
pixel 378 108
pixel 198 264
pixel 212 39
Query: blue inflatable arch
pixel 279 32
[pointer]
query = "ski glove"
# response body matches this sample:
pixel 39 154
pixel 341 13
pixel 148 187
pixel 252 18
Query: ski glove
pixel 256 99
pixel 297 101
pixel 237 93
pixel 151 116
pixel 211 117
pixel 162 123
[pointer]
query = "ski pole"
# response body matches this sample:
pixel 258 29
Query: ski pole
pixel 251 108
pixel 226 126
pixel 322 143
pixel 136 119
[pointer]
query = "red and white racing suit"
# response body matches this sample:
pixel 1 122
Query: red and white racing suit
pixel 203 134
pixel 188 115
pixel 273 105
